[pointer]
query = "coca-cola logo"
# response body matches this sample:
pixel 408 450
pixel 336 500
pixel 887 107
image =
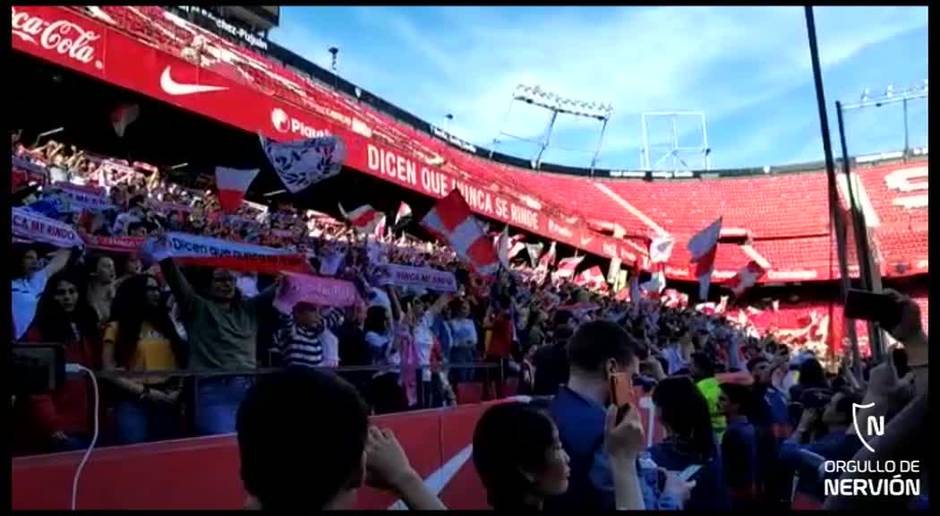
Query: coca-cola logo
pixel 62 36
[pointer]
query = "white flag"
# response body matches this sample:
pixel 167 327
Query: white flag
pixel 306 162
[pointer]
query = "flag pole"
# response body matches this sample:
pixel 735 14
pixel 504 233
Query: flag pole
pixel 834 212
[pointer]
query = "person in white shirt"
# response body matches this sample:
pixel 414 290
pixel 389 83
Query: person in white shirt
pixel 28 285
pixel 422 318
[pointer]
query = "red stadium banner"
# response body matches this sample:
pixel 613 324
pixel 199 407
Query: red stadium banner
pixel 81 44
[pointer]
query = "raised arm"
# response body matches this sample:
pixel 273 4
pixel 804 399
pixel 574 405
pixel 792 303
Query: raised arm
pixel 58 262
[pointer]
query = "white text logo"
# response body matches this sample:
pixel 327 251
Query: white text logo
pixel 62 36
pixel 285 123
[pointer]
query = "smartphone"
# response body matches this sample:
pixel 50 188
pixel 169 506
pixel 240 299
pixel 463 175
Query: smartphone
pixel 872 306
pixel 621 393
pixel 689 472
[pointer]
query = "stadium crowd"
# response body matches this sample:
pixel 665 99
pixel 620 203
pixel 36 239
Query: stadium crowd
pixel 748 408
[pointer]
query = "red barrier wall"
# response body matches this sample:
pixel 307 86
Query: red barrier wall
pixel 202 473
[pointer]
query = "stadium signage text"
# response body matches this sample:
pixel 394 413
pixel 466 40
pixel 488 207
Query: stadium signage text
pixel 224 26
pixel 285 123
pixel 406 171
pixel 62 36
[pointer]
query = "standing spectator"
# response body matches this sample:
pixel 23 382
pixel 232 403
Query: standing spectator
pixel 597 350
pixel 421 317
pixel 102 287
pixel 222 330
pixel 142 338
pixel 703 372
pixel 29 282
pixel 386 394
pixel 59 421
pixel 353 350
pixel 499 324
pixel 689 441
pixel 305 340
pixel 465 341
pixel 739 445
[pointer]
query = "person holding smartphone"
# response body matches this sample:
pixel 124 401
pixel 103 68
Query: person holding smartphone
pixel 597 352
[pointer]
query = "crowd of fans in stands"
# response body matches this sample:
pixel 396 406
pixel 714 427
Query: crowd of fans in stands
pixel 745 407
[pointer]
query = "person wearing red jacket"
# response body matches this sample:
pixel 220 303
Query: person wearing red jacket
pixel 60 420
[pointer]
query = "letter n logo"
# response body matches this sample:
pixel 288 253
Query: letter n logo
pixel 876 425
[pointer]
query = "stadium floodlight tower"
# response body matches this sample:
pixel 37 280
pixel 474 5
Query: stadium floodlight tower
pixel 670 152
pixel 556 104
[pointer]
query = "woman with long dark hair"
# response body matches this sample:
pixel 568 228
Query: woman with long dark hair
pixel 521 461
pixel 141 337
pixel 60 420
pixel 519 457
pixel 690 441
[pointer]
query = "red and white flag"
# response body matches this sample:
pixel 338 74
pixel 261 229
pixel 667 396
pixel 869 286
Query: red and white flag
pixel 672 298
pixel 746 278
pixel 592 278
pixel 452 221
pixel 661 248
pixel 703 247
pixel 404 214
pixel 365 218
pixel 548 259
pixel 123 116
pixel 567 266
pixel 232 184
pixel 657 283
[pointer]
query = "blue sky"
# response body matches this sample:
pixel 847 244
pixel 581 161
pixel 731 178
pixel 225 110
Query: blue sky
pixel 747 68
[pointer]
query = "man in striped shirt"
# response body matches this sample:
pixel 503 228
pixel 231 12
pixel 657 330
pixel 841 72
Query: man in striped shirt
pixel 305 337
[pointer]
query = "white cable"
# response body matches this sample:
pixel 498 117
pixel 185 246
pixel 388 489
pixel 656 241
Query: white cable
pixel 75 368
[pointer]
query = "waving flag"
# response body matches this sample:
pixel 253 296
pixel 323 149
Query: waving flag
pixel 123 116
pixel 661 248
pixel 502 247
pixel 702 247
pixel 592 278
pixel 534 251
pixel 746 278
pixel 403 217
pixel 452 221
pixel 567 266
pixel 657 283
pixel 232 184
pixel 365 218
pixel 548 259
pixel 306 162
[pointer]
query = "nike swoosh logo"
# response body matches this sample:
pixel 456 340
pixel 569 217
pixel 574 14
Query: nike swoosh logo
pixel 176 88
pixel 438 480
pixel 586 241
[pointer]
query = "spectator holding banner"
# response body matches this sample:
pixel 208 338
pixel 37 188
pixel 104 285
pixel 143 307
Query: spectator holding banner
pixel 222 330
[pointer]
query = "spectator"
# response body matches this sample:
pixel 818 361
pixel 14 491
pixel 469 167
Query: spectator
pixel 703 372
pixel 465 341
pixel 386 394
pixel 811 376
pixel 519 457
pixel 29 282
pixel 102 287
pixel 222 331
pixel 59 421
pixel 281 433
pixel 739 445
pixel 690 440
pixel 142 338
pixel 421 317
pixel 305 339
pixel 597 350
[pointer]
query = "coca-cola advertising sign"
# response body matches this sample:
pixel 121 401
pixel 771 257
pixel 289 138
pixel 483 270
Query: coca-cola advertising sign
pixel 57 35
